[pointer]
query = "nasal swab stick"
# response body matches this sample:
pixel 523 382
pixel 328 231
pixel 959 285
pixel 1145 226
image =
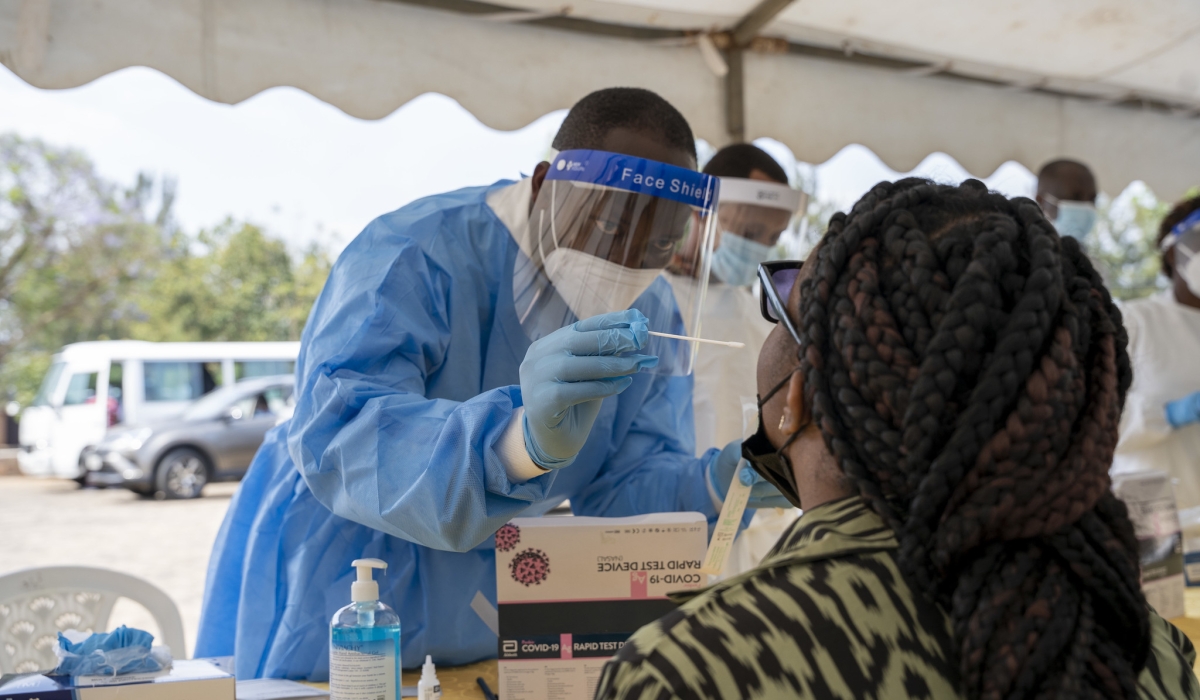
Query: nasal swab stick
pixel 728 343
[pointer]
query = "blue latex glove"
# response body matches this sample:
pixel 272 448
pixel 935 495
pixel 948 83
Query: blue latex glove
pixel 1184 411
pixel 763 494
pixel 124 650
pixel 567 374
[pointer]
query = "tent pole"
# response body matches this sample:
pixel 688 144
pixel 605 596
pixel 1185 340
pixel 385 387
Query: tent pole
pixel 749 26
pixel 735 98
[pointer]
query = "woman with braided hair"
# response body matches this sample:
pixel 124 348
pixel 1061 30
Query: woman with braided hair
pixel 941 396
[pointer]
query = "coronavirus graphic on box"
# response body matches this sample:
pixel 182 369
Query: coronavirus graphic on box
pixel 507 537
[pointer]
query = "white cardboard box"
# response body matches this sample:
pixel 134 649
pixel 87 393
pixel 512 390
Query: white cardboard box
pixel 572 589
pixel 189 679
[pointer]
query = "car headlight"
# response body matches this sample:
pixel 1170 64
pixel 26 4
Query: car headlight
pixel 131 441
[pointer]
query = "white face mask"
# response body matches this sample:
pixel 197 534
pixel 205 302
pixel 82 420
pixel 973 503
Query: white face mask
pixel 592 285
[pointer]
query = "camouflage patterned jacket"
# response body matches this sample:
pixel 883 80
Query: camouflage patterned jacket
pixel 826 615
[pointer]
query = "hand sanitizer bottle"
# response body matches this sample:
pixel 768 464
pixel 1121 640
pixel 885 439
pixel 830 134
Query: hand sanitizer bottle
pixel 428 688
pixel 364 643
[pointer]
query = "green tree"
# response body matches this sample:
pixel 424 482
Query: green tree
pixel 75 250
pixel 1124 243
pixel 311 271
pixel 82 258
pixel 232 282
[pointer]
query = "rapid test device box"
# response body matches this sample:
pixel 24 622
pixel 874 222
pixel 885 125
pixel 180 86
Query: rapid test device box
pixel 571 590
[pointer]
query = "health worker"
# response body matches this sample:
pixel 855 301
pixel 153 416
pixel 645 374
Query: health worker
pixel 1066 192
pixel 1160 426
pixel 755 207
pixel 475 356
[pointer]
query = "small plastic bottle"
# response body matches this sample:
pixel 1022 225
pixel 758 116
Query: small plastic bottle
pixel 364 643
pixel 428 688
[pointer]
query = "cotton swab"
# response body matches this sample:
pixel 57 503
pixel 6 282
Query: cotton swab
pixel 727 343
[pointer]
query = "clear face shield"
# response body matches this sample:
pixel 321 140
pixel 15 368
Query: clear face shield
pixel 1184 238
pixel 751 215
pixel 603 228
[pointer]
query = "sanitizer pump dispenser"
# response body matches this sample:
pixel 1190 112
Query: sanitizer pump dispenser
pixel 364 642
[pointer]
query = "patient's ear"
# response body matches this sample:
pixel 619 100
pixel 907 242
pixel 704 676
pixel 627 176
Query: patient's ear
pixel 795 413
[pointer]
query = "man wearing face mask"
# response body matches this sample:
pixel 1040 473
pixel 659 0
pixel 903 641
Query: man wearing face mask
pixel 475 356
pixel 1160 428
pixel 1066 192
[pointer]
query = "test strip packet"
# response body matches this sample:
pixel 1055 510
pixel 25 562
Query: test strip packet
pixel 735 502
pixel 727 525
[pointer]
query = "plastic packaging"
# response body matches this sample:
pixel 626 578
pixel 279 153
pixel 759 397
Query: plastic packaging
pixel 428 688
pixel 364 642
pixel 123 651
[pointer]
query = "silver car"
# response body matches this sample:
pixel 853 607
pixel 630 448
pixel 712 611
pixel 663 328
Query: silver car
pixel 214 439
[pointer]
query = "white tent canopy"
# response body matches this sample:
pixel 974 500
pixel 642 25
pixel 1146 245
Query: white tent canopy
pixel 1116 85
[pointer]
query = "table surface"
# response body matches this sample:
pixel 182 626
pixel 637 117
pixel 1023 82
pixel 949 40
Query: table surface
pixel 458 682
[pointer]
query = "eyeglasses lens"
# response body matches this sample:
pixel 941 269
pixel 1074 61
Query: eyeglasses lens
pixel 783 281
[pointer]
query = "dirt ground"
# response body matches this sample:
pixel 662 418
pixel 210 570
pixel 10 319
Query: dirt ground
pixel 50 522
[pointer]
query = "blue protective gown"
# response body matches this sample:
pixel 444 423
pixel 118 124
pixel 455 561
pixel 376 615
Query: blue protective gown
pixel 407 377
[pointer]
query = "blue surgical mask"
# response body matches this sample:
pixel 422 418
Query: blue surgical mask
pixel 736 260
pixel 1075 219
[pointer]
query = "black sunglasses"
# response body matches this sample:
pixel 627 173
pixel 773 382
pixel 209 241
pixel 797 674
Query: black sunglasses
pixel 778 277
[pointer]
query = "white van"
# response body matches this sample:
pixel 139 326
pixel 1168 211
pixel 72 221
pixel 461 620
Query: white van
pixel 93 386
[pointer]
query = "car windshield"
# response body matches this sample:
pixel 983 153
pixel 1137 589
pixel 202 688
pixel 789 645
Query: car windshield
pixel 211 405
pixel 49 384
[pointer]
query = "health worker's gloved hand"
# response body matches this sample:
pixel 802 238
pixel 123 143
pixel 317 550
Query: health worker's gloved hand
pixel 763 493
pixel 1184 411
pixel 567 374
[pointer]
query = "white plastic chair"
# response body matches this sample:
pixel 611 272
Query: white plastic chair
pixel 35 604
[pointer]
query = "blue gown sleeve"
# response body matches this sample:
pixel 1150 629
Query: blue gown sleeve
pixel 368 443
pixel 654 468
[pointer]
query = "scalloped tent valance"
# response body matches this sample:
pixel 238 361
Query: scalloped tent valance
pixel 1112 84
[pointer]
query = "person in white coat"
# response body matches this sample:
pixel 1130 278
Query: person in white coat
pixel 755 207
pixel 1160 427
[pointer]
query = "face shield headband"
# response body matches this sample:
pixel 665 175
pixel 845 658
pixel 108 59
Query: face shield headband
pixel 772 195
pixel 637 175
pixel 751 216
pixel 602 230
pixel 1192 221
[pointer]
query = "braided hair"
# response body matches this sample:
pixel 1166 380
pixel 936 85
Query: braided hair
pixel 967 369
